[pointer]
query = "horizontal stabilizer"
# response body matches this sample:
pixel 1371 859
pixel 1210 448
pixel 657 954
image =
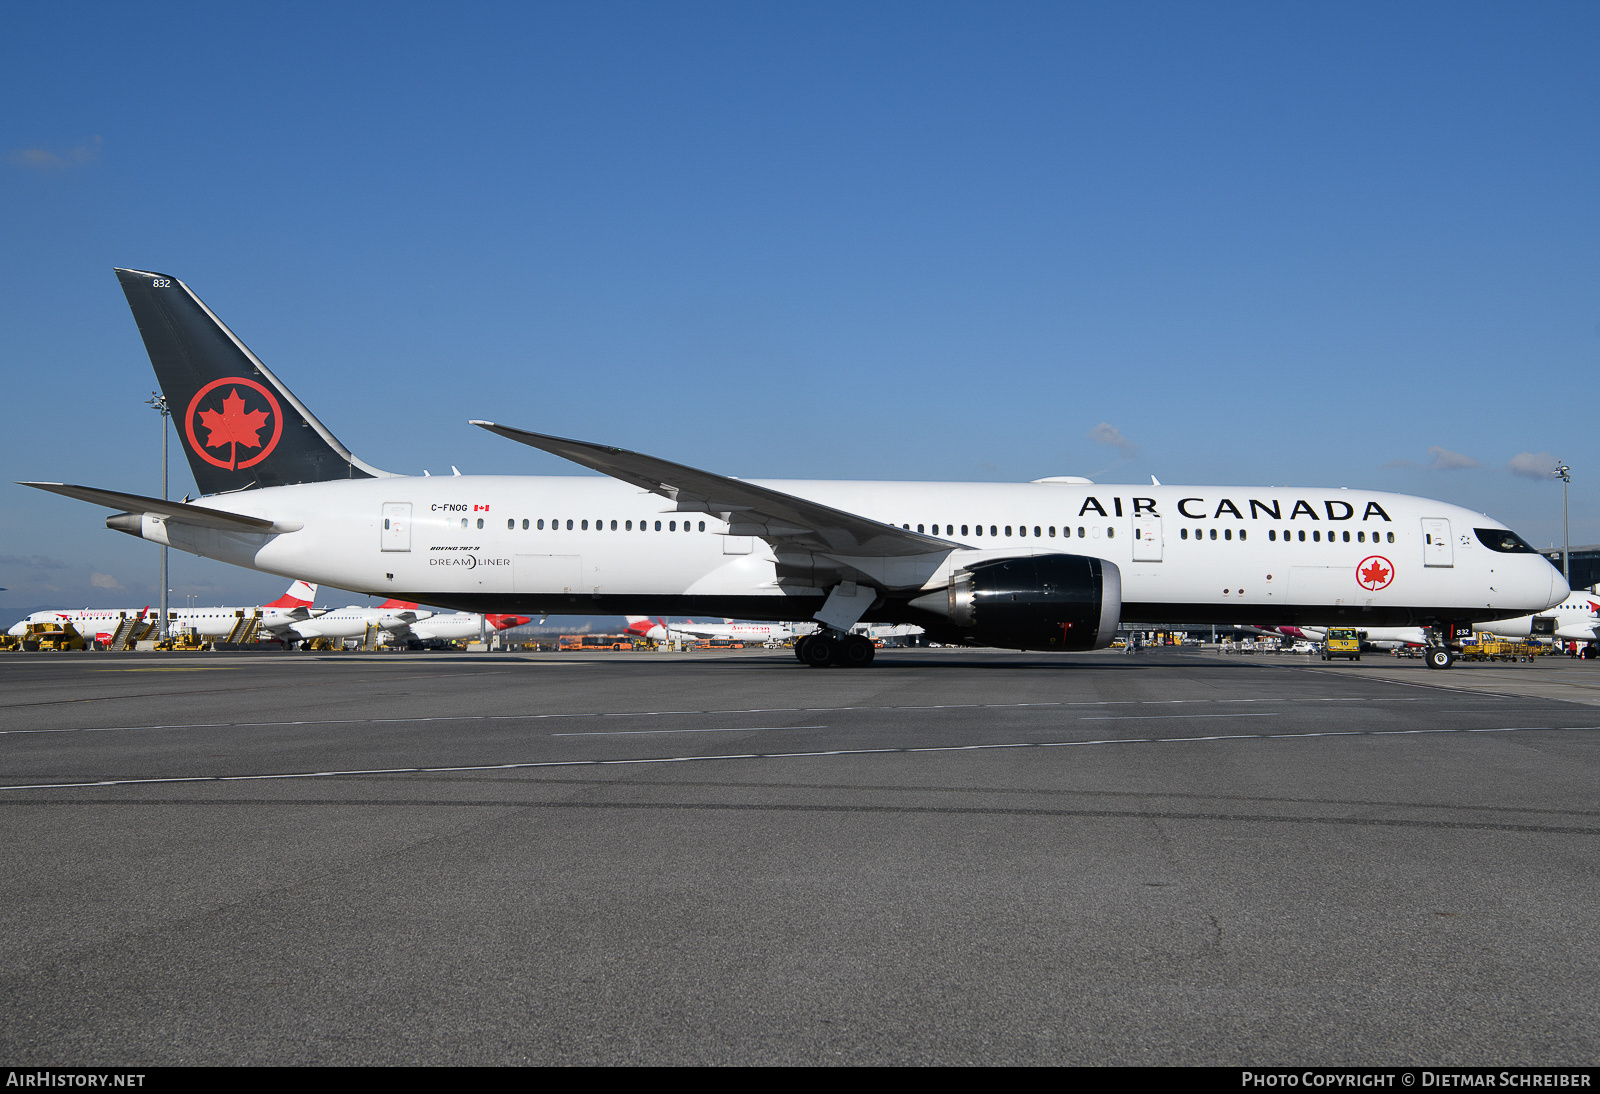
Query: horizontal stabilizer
pixel 181 512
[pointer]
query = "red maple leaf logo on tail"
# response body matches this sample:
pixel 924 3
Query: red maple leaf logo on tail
pixel 234 425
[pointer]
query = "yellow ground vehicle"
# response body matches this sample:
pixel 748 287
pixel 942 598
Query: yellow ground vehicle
pixel 1341 642
pixel 53 636
pixel 1489 648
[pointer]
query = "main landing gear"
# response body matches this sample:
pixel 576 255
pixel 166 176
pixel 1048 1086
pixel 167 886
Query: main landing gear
pixel 833 648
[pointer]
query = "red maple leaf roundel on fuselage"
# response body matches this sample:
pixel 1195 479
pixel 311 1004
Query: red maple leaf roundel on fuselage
pixel 1375 572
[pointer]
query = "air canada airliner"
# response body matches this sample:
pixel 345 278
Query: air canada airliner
pixel 1051 565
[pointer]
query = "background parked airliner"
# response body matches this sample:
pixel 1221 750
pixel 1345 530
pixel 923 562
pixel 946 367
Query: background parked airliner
pixel 454 626
pixel 1383 638
pixel 99 624
pixel 1576 619
pixel 729 629
pixel 395 617
pixel 1049 565
pixel 401 621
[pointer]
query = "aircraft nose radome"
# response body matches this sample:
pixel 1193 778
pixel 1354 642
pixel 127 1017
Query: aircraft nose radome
pixel 1559 590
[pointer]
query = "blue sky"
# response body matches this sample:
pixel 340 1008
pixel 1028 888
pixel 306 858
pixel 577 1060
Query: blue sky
pixel 1312 244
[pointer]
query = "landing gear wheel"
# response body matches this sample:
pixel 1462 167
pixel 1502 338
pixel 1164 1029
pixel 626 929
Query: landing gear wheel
pixel 819 651
pixel 800 646
pixel 856 652
pixel 1440 658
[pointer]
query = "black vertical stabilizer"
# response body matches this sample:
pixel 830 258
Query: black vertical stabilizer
pixel 240 427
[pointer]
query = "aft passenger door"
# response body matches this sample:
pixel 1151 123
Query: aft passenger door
pixel 1147 539
pixel 397 526
pixel 1437 548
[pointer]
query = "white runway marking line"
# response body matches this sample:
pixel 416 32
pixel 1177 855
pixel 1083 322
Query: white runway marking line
pixel 1169 717
pixel 653 732
pixel 687 713
pixel 532 765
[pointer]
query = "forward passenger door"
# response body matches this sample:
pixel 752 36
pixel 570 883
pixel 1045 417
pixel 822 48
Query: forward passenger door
pixel 1437 548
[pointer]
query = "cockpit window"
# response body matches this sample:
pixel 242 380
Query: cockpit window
pixel 1498 539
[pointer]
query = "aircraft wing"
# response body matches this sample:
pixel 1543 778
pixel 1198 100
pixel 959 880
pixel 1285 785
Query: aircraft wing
pixel 181 512
pixel 286 620
pixel 783 520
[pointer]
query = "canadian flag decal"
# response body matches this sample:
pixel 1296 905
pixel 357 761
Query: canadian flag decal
pixel 480 508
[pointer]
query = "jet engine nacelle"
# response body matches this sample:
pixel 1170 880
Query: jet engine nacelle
pixel 1036 602
pixel 1524 626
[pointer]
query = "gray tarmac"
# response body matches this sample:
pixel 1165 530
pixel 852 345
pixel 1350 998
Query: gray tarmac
pixel 953 857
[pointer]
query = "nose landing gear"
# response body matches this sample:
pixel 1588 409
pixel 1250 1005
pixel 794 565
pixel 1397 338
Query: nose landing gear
pixel 1443 643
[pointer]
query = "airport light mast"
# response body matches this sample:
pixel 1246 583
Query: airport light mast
pixel 158 403
pixel 1565 474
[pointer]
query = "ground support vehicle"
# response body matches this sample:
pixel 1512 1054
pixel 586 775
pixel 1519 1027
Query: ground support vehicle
pixel 1341 642
pixel 53 636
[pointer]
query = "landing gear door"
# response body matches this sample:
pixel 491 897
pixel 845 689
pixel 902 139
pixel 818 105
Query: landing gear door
pixel 397 526
pixel 1147 539
pixel 1437 547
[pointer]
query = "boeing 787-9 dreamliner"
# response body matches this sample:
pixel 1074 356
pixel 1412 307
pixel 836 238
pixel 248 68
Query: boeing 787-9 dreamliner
pixel 1047 565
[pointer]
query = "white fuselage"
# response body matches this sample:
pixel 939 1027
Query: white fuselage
pixel 601 546
pixel 451 626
